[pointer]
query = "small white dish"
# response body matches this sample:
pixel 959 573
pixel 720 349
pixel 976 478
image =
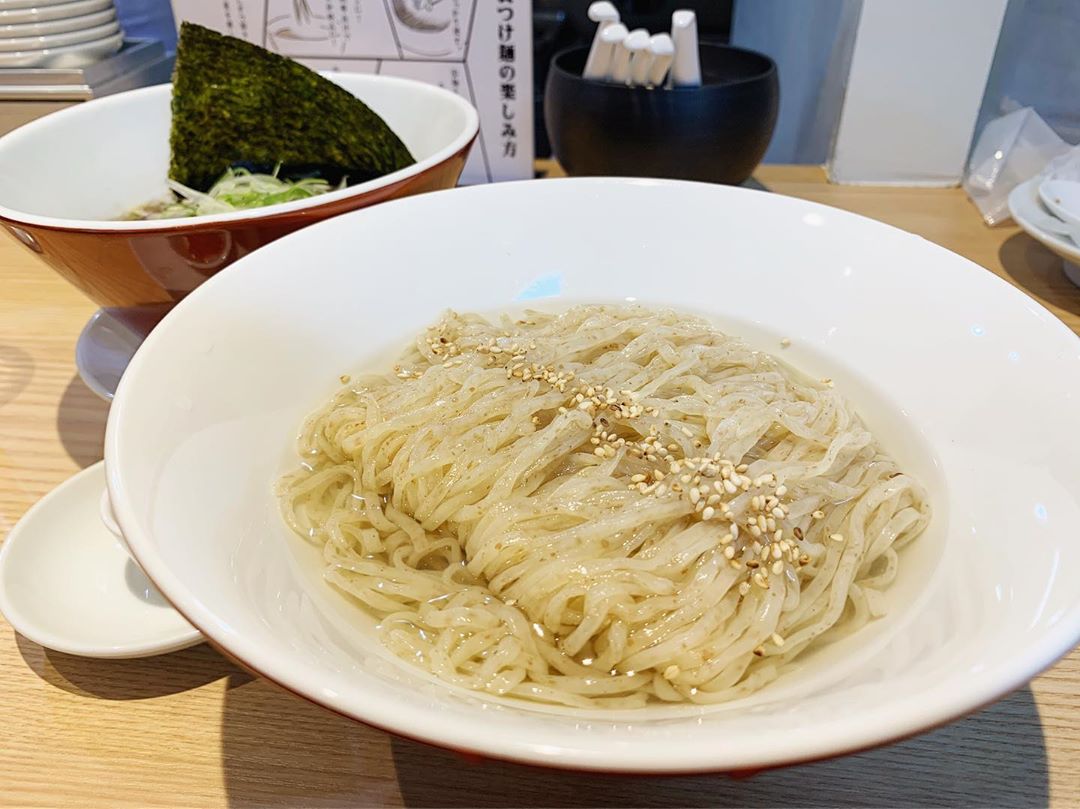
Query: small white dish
pixel 31 13
pixel 67 583
pixel 50 27
pixel 84 53
pixel 1026 208
pixel 1062 198
pixel 61 40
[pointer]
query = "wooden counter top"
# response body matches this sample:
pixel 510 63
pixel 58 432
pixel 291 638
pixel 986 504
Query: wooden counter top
pixel 191 729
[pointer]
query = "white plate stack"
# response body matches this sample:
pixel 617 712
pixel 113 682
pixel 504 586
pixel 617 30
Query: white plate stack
pixel 57 33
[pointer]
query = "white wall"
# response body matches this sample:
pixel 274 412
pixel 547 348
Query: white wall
pixel 918 73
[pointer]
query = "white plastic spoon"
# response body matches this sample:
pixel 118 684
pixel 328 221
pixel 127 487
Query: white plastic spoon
pixel 686 67
pixel 635 42
pixel 599 60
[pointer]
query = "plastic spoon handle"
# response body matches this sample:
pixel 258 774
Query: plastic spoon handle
pixel 637 43
pixel 686 67
pixel 620 60
pixel 663 51
pixel 599 60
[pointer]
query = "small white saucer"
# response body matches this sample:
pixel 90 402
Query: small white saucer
pixel 1027 209
pixel 68 584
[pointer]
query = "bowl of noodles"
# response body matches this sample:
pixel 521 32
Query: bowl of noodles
pixel 76 211
pixel 640 505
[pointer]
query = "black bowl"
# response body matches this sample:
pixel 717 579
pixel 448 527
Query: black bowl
pixel 717 132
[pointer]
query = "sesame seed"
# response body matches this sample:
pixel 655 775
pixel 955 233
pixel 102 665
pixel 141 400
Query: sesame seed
pixel 708 513
pixel 729 487
pixel 776 551
pixel 686 431
pixel 727 539
pixel 671 672
pixel 836 537
pixel 744 588
pixel 785 342
pixel 637 478
pixel 760 580
pixel 759 652
pixel 729 552
pixel 695 495
pixel 753 564
pixel 781 491
pixel 599 452
pixel 778 567
pixel 779 641
pixel 778 513
pixel 818 515
pixel 798 532
pixel 741 468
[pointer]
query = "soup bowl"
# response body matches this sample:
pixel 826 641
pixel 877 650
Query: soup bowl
pixel 68 177
pixel 941 359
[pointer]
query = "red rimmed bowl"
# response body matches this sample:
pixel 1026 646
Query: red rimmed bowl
pixel 68 176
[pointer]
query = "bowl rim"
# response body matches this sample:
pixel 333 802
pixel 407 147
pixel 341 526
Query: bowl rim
pixel 849 735
pixel 461 141
pixel 767 74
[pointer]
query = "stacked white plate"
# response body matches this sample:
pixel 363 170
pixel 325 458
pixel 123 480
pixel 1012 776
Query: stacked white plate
pixel 57 33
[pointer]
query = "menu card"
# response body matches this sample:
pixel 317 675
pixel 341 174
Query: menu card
pixel 479 49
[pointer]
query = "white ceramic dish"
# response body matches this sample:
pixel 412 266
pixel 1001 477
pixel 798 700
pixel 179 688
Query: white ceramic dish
pixel 968 382
pixel 1062 199
pixel 49 27
pixel 32 4
pixel 31 12
pixel 61 40
pixel 1027 209
pixel 84 53
pixel 68 584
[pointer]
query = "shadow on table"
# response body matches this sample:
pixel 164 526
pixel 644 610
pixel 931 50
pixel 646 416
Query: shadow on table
pixel 16 371
pixel 1036 270
pixel 128 679
pixel 278 748
pixel 80 421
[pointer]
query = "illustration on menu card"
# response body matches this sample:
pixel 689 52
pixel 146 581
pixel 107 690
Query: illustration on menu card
pixel 479 49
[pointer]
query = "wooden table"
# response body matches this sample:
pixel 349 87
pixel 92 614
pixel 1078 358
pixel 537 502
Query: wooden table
pixel 191 729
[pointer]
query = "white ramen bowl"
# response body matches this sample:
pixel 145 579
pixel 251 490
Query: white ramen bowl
pixel 970 384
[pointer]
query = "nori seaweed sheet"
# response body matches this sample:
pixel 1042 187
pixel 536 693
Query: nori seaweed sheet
pixel 236 104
